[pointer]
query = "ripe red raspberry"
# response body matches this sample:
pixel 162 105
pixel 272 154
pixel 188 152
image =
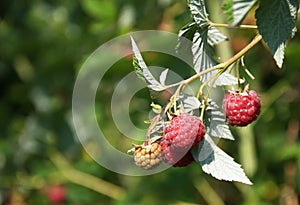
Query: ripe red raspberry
pixel 241 108
pixel 56 194
pixel 175 156
pixel 148 156
pixel 184 131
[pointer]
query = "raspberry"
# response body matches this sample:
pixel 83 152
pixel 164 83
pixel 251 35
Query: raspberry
pixel 175 156
pixel 56 194
pixel 184 131
pixel 241 108
pixel 148 156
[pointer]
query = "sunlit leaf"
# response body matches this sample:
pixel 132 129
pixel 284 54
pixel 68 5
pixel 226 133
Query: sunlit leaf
pixel 189 102
pixel 202 54
pixel 215 36
pixel 227 79
pixel 144 73
pixel 216 162
pixel 199 13
pixel 216 120
pixel 163 76
pixel 236 10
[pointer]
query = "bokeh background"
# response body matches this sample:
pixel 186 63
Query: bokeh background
pixel 42 47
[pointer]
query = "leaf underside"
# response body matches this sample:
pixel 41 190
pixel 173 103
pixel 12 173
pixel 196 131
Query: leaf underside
pixel 237 10
pixel 216 120
pixel 143 72
pixel 216 162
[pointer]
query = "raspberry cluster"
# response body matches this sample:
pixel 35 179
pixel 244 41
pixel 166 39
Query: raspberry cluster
pixel 148 156
pixel 183 132
pixel 241 108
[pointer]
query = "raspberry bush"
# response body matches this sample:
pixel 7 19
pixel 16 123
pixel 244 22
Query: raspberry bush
pixel 185 126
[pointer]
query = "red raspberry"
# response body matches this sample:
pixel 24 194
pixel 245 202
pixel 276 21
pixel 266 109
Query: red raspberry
pixel 241 108
pixel 175 156
pixel 184 131
pixel 56 194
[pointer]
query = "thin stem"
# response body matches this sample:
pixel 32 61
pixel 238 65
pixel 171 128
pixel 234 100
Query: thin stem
pixel 225 64
pixel 214 79
pixel 194 77
pixel 242 52
pixel 235 27
pixel 202 110
pixel 86 180
pixel 238 73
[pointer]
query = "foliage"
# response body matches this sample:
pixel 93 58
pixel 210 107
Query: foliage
pixel 43 45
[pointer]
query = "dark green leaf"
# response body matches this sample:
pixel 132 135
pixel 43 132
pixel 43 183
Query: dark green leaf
pixel 276 21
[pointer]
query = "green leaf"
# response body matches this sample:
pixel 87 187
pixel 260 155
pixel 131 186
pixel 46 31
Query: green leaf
pixel 276 21
pixel 163 76
pixel 215 36
pixel 227 79
pixel 240 9
pixel 236 10
pixel 202 54
pixel 185 36
pixel 144 73
pixel 189 102
pixel 216 162
pixel 197 8
pixel 203 38
pixel 216 120
pixel 202 23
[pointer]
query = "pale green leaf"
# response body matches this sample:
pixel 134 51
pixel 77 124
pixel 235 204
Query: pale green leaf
pixel 144 73
pixel 197 8
pixel 216 162
pixel 215 36
pixel 236 10
pixel 227 79
pixel 163 77
pixel 189 102
pixel 202 54
pixel 216 120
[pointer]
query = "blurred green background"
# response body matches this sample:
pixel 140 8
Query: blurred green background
pixel 42 47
